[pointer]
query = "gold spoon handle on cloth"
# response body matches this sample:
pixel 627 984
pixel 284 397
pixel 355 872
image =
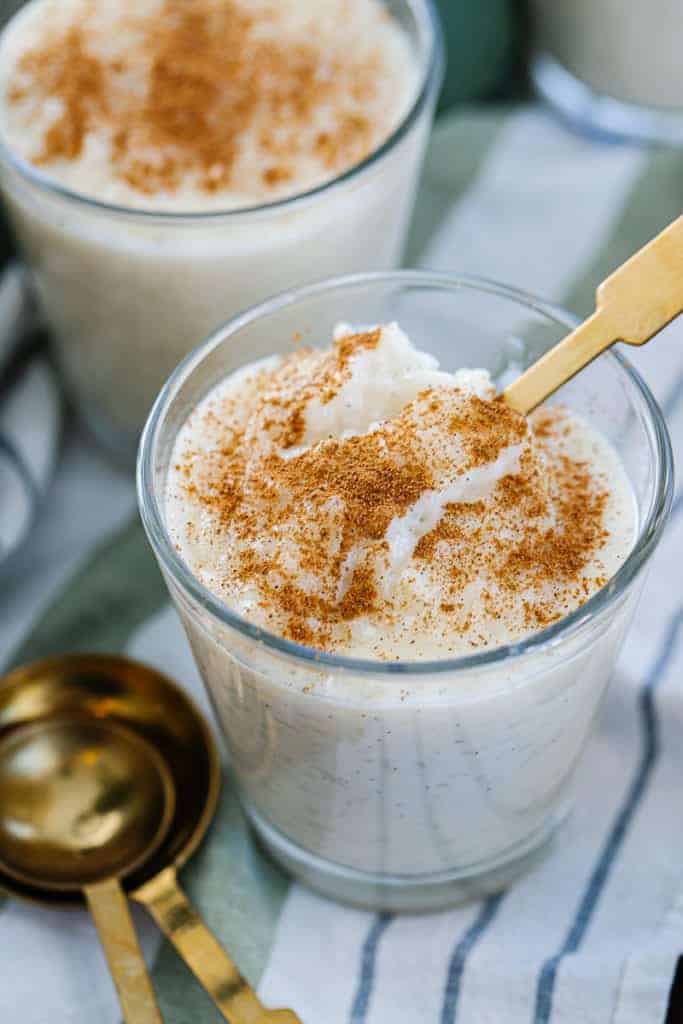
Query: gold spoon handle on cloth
pixel 633 304
pixel 109 907
pixel 203 954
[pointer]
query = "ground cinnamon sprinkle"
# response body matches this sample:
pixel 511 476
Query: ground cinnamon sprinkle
pixel 305 377
pixel 197 78
pixel 349 345
pixel 78 79
pixel 487 428
pixel 309 526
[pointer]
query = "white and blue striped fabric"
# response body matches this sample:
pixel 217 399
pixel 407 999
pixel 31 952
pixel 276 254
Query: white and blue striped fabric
pixel 594 934
pixel 30 417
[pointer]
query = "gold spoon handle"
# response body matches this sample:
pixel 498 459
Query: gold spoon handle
pixel 633 304
pixel 109 908
pixel 560 364
pixel 203 954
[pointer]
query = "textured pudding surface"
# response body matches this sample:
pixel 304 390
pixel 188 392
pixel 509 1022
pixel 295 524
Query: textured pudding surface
pixel 357 499
pixel 201 104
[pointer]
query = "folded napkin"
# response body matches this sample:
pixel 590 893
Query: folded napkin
pixel 30 415
pixel 593 935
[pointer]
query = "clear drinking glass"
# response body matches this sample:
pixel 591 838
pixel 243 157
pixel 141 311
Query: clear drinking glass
pixel 410 785
pixel 612 68
pixel 129 292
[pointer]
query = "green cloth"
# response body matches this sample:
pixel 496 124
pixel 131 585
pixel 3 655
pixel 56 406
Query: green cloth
pixel 484 46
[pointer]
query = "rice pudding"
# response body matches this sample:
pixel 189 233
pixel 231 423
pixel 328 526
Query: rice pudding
pixel 139 138
pixel 359 502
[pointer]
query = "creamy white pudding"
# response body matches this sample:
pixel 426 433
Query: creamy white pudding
pixel 166 108
pixel 211 104
pixel 359 500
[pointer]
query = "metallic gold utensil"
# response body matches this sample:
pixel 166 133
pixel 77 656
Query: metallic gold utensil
pixel 112 689
pixel 632 305
pixel 82 803
pixel 204 955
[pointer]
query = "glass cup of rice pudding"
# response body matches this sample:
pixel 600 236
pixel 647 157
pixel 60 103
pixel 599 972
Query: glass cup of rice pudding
pixel 405 600
pixel 168 163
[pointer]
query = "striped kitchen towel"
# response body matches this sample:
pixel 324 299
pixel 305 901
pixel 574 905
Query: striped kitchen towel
pixel 593 935
pixel 30 417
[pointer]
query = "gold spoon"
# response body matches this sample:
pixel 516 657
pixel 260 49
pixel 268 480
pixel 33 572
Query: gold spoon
pixel 633 304
pixel 113 689
pixel 82 803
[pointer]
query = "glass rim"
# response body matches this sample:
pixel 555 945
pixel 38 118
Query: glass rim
pixel 649 531
pixel 431 75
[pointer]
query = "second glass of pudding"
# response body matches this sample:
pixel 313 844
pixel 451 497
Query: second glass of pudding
pixel 433 763
pixel 168 163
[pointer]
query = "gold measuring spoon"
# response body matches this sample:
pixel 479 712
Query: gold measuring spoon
pixel 114 689
pixel 632 305
pixel 82 803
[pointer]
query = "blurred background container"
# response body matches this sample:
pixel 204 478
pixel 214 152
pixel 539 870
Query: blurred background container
pixel 612 66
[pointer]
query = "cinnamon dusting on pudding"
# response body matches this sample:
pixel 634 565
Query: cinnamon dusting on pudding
pixel 455 517
pixel 208 89
pixel 306 377
pixel 486 428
